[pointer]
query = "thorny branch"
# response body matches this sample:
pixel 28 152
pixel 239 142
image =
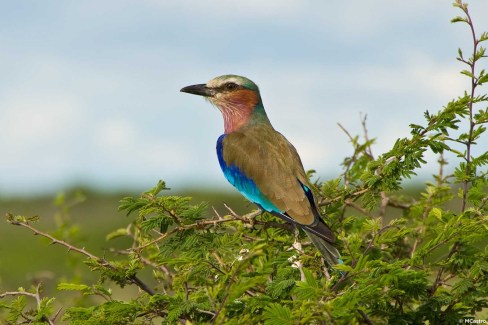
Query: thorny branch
pixel 474 84
pixel 101 261
pixel 198 225
pixel 248 219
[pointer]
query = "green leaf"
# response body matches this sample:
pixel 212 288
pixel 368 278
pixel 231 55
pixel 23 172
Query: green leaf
pixel 72 286
pixel 309 278
pixel 45 308
pixel 160 186
pixel 343 267
pixel 277 288
pixel 467 73
pixel 436 212
pixel 480 53
pixel 463 286
pixel 483 37
pixel 460 54
pixel 372 225
pixel 483 78
pixel 458 19
pixel 276 314
pixel 16 309
pixel 117 233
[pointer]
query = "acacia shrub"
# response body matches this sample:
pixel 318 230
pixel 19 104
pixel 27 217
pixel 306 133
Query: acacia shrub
pixel 408 259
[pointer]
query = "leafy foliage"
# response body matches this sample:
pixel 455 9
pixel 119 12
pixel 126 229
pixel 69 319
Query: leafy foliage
pixel 407 259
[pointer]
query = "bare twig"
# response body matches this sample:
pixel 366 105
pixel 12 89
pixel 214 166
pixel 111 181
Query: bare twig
pixel 101 261
pixel 456 140
pixel 342 279
pixel 246 219
pixel 384 204
pixel 56 315
pixel 216 212
pixel 145 261
pixel 211 313
pixel 368 150
pixel 354 156
pixel 227 291
pixel 356 194
pixel 18 293
pixel 438 278
pixel 36 296
pixel 350 203
pixel 365 317
pixel 346 132
pixel 198 224
pixel 232 212
pixel 371 243
pixel 399 205
pixel 472 124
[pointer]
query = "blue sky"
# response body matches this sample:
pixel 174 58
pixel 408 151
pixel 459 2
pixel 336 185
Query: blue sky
pixel 89 90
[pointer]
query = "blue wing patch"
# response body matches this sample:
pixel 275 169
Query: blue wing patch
pixel 244 184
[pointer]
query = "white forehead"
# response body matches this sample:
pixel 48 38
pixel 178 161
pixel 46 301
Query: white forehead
pixel 219 81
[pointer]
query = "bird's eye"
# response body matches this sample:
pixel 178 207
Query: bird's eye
pixel 230 86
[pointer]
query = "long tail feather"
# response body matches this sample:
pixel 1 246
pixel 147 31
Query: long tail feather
pixel 329 252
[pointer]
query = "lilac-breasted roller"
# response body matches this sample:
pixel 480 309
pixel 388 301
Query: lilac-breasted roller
pixel 260 162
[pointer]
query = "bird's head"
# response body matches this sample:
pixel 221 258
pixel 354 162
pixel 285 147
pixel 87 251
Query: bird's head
pixel 236 97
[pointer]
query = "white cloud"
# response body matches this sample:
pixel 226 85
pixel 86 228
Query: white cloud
pixel 417 74
pixel 32 121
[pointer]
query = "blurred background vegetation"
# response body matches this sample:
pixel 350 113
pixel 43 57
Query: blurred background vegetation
pixel 85 214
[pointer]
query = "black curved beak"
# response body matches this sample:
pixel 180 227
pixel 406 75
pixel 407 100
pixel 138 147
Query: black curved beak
pixel 200 89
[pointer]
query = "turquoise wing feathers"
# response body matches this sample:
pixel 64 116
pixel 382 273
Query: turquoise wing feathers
pixel 244 184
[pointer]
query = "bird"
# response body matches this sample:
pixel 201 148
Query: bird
pixel 261 163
